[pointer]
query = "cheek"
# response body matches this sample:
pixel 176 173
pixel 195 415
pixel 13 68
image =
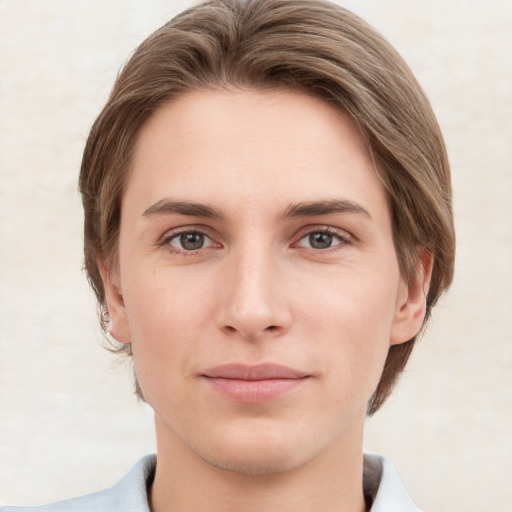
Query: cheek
pixel 363 301
pixel 166 318
pixel 160 301
pixel 350 321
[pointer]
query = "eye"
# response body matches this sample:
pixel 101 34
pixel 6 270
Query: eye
pixel 189 241
pixel 323 239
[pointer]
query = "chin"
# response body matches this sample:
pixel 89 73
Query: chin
pixel 256 462
pixel 258 451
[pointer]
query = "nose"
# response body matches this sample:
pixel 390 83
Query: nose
pixel 254 302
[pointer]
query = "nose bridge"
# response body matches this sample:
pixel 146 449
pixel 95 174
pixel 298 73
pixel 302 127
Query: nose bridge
pixel 255 302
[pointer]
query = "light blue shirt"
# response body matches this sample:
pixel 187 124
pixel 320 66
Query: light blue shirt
pixel 381 482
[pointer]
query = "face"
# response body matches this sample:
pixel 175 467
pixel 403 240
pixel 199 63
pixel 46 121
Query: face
pixel 258 281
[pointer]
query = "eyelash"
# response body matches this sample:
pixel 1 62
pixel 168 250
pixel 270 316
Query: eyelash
pixel 343 237
pixel 166 241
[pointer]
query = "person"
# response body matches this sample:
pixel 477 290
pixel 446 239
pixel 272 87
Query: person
pixel 268 225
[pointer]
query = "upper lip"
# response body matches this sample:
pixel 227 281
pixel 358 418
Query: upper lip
pixel 264 371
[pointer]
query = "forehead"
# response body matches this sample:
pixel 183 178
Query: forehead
pixel 262 147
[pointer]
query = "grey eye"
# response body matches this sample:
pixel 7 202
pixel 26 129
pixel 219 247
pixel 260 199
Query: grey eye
pixel 324 239
pixel 191 241
pixel 320 240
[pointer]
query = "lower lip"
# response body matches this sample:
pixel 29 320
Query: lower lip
pixel 254 391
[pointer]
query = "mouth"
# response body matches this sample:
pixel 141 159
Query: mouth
pixel 254 384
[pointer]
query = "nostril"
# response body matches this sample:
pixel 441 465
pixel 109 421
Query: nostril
pixel 271 328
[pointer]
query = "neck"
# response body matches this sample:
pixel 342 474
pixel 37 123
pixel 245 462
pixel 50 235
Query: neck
pixel 331 482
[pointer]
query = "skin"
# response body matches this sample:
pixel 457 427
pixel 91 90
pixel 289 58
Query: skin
pixel 262 279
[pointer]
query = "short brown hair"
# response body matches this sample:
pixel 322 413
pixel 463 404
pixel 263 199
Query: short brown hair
pixel 308 45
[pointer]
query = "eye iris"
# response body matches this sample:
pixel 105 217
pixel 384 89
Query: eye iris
pixel 320 240
pixel 192 241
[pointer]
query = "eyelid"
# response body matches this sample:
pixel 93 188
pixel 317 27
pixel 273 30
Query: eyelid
pixel 344 236
pixel 165 239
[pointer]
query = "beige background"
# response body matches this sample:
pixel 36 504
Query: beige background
pixel 68 421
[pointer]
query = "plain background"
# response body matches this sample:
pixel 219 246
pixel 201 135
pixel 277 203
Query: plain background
pixel 69 423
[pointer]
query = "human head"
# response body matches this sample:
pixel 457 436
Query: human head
pixel 311 46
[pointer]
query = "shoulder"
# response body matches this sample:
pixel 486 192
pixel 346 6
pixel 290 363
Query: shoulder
pixel 127 495
pixel 383 486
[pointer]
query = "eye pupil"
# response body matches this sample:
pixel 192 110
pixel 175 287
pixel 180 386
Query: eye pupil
pixel 192 241
pixel 320 240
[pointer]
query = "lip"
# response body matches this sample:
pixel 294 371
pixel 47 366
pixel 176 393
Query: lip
pixel 254 384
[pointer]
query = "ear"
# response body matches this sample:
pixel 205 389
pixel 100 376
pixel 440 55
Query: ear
pixel 412 301
pixel 118 326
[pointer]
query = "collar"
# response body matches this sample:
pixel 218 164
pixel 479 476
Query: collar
pixel 383 486
pixel 381 482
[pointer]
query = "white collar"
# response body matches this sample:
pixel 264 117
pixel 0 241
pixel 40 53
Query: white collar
pixel 382 483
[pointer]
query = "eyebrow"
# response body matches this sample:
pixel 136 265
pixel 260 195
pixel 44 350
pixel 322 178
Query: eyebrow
pixel 327 207
pixel 167 206
pixel 293 211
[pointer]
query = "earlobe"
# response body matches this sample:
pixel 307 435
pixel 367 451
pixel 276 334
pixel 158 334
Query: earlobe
pixel 118 324
pixel 412 305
